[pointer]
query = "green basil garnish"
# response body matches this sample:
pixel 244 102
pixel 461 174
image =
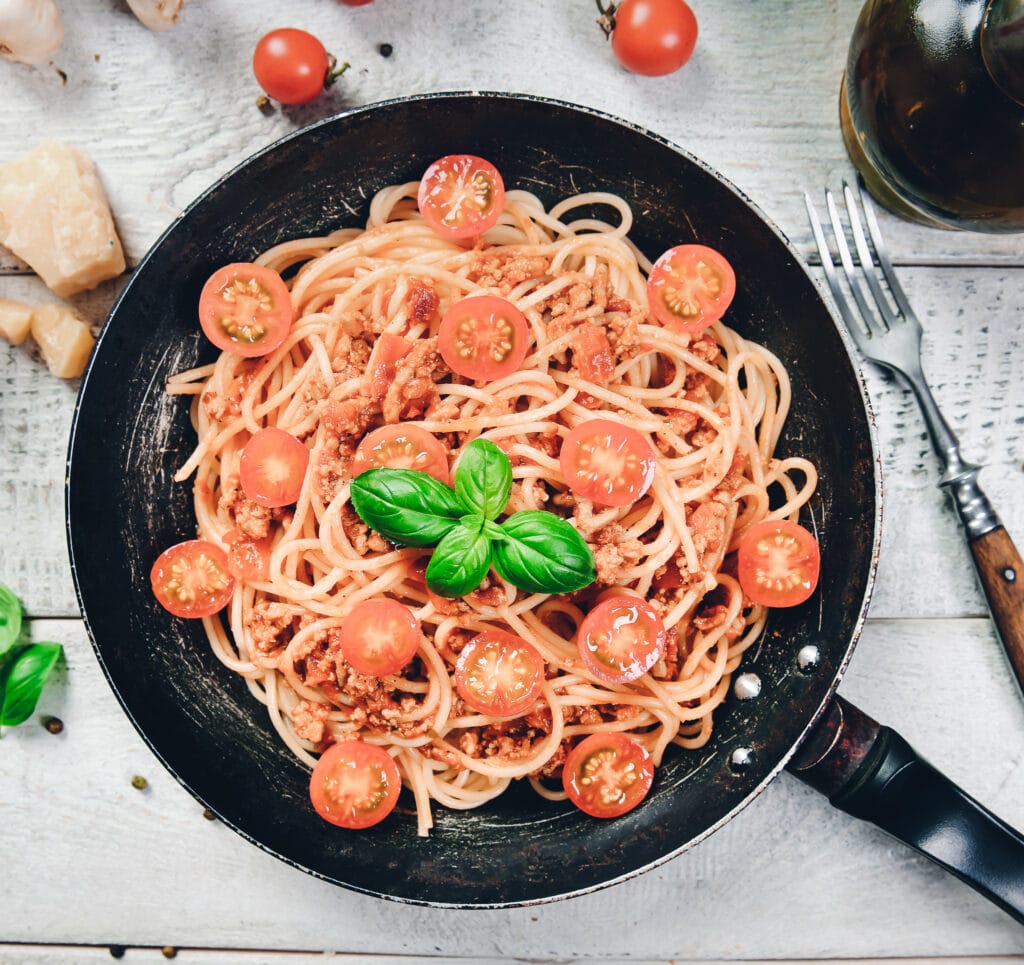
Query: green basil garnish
pixel 483 479
pixel 460 562
pixel 25 681
pixel 10 619
pixel 542 553
pixel 406 506
pixel 534 550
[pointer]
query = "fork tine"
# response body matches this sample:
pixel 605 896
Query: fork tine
pixel 867 263
pixel 849 268
pixel 838 296
pixel 883 254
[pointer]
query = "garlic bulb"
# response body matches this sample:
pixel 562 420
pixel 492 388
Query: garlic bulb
pixel 157 14
pixel 31 31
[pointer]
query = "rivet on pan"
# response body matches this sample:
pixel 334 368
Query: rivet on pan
pixel 747 685
pixel 808 658
pixel 741 759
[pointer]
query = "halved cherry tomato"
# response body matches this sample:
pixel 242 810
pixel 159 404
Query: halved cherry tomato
pixel 245 309
pixel 689 287
pixel 379 637
pixel 402 447
pixel 606 462
pixel 654 37
pixel 499 674
pixel 387 352
pixel 778 563
pixel 621 639
pixel 607 774
pixel 192 579
pixel 272 467
pixel 483 337
pixel 461 196
pixel 291 65
pixel 355 784
pixel 248 558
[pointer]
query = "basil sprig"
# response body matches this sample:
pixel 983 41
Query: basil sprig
pixel 534 550
pixel 24 667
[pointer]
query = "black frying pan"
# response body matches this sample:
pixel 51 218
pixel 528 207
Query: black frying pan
pixel 123 509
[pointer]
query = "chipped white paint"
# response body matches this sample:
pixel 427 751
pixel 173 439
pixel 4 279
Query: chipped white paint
pixel 89 861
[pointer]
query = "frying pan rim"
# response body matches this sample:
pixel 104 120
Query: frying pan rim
pixel 826 301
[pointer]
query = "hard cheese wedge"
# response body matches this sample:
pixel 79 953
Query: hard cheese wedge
pixel 54 215
pixel 65 340
pixel 15 320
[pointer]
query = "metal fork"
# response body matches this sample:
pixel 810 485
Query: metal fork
pixel 891 337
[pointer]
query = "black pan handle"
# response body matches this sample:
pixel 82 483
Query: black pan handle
pixel 871 772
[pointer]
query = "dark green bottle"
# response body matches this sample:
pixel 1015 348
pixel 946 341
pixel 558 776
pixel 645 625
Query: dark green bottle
pixel 932 110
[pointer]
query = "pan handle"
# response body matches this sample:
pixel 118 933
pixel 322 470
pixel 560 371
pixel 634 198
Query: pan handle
pixel 871 772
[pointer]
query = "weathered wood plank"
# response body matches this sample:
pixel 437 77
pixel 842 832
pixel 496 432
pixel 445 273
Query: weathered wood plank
pixel 61 954
pixel 164 115
pixel 789 878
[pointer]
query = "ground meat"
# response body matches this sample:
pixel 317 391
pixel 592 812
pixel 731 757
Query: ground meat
pixel 414 391
pixel 422 301
pixel 613 553
pixel 348 418
pixel 250 518
pixel 705 348
pixel 505 271
pixel 363 539
pixel 714 616
pixel 707 528
pixel 592 354
pixel 310 720
pixel 350 356
pixel 270 625
pixel 377 706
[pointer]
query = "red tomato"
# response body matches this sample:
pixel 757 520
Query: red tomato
pixel 355 3
pixel 621 639
pixel 273 467
pixel 355 784
pixel 245 309
pixel 291 65
pixel 499 674
pixel 380 637
pixel 402 447
pixel 654 37
pixel 248 558
pixel 607 774
pixel 483 337
pixel 607 462
pixel 778 563
pixel 690 286
pixel 461 196
pixel 387 352
pixel 192 579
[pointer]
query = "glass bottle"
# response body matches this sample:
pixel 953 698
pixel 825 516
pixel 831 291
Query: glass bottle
pixel 932 110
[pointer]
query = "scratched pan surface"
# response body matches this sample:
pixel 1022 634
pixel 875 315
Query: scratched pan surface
pixel 124 508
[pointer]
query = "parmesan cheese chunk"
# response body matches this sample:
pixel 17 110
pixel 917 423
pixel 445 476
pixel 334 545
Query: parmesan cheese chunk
pixel 15 320
pixel 65 340
pixel 54 215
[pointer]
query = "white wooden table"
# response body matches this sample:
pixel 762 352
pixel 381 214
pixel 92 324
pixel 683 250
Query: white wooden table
pixel 87 862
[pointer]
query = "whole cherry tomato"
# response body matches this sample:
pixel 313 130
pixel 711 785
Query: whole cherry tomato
pixel 291 65
pixel 653 37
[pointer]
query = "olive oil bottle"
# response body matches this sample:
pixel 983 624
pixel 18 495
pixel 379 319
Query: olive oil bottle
pixel 932 110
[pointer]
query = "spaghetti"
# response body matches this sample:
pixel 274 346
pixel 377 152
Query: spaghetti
pixel 712 406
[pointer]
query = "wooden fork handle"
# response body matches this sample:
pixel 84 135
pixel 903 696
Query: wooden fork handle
pixel 1001 572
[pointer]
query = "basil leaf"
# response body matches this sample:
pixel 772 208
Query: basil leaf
pixel 10 619
pixel 25 681
pixel 483 478
pixel 406 506
pixel 459 563
pixel 542 553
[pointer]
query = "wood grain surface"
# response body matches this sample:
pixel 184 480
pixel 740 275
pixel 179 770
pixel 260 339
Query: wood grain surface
pixel 89 862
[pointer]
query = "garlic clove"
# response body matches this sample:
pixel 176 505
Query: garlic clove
pixel 31 31
pixel 157 14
